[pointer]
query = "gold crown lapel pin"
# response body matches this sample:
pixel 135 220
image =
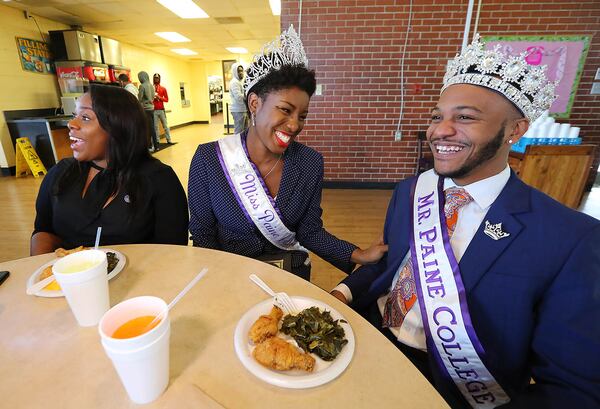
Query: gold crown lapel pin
pixel 495 230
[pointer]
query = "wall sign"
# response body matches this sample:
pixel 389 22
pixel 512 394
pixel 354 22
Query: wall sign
pixel 227 75
pixel 35 56
pixel 564 56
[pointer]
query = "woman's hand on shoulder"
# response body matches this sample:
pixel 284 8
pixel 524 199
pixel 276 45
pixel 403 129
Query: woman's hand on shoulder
pixel 370 255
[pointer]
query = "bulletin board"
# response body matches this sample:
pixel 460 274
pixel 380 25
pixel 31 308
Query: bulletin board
pixel 564 55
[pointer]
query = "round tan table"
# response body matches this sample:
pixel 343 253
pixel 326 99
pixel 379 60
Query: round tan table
pixel 48 361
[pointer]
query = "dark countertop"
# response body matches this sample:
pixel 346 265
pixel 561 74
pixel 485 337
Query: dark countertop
pixel 59 118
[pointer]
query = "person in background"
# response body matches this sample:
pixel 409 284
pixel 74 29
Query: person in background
pixel 160 97
pixel 124 82
pixel 111 181
pixel 146 98
pixel 488 283
pixel 236 95
pixel 258 193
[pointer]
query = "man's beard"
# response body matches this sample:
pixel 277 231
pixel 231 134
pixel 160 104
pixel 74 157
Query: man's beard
pixel 486 153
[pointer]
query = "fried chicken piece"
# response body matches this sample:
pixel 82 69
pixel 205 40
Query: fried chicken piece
pixel 53 286
pixel 265 326
pixel 60 252
pixel 47 272
pixel 276 353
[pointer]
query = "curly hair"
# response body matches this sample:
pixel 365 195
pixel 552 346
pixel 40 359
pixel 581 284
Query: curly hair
pixel 287 76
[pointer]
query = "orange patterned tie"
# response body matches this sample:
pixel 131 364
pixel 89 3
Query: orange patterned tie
pixel 403 296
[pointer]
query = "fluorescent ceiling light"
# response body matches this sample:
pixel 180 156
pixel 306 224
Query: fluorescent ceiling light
pixel 184 8
pixel 173 37
pixel 237 50
pixel 275 7
pixel 183 51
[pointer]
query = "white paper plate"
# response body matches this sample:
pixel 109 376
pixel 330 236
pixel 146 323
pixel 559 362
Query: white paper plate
pixel 58 293
pixel 296 379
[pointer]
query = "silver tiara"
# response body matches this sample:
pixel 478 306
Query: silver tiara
pixel 524 85
pixel 287 49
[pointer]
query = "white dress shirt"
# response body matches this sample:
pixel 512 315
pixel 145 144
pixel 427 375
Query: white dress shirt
pixel 470 217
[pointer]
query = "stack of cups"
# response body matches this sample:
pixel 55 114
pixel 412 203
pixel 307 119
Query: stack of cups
pixel 563 134
pixel 553 134
pixel 542 133
pixel 574 135
pixel 541 119
pixel 535 129
pixel 545 131
pixel 140 358
pixel 83 279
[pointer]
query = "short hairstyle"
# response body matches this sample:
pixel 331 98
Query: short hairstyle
pixel 123 77
pixel 287 76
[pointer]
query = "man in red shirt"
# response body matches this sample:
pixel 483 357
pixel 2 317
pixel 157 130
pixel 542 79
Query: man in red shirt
pixel 160 97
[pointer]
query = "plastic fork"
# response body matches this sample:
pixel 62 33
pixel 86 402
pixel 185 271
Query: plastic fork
pixel 37 287
pixel 282 300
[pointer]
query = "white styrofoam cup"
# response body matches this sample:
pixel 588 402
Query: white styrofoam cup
pixel 141 362
pixel 86 290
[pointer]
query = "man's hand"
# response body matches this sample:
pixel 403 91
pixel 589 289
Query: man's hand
pixel 339 296
pixel 371 255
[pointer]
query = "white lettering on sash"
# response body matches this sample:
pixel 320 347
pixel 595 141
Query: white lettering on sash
pixel 443 306
pixel 247 186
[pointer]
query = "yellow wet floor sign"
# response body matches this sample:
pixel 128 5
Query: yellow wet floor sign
pixel 28 160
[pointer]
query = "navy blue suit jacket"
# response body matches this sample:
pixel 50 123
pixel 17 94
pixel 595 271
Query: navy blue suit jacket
pixel 534 297
pixel 218 222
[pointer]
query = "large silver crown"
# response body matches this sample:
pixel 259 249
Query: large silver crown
pixel 287 49
pixel 524 85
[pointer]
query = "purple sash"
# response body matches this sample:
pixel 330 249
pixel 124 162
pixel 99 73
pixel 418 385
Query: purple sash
pixel 250 191
pixel 450 334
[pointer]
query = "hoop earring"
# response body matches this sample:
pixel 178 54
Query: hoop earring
pixel 252 117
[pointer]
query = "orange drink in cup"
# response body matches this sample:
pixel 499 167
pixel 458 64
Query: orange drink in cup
pixel 135 327
pixel 139 352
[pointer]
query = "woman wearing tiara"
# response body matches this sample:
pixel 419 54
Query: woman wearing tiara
pixel 258 193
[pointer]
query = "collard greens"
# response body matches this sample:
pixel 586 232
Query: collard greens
pixel 316 332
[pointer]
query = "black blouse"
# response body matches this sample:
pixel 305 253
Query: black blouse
pixel 160 216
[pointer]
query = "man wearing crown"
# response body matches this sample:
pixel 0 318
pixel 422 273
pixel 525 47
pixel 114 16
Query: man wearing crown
pixel 488 284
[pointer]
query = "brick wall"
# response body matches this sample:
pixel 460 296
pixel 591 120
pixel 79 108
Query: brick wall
pixel 355 48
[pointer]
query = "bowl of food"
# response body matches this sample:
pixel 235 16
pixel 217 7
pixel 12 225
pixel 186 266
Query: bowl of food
pixel 116 263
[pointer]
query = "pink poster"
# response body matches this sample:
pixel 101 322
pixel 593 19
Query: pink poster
pixel 564 56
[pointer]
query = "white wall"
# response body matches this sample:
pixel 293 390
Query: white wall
pixel 172 71
pixel 26 90
pixel 21 89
